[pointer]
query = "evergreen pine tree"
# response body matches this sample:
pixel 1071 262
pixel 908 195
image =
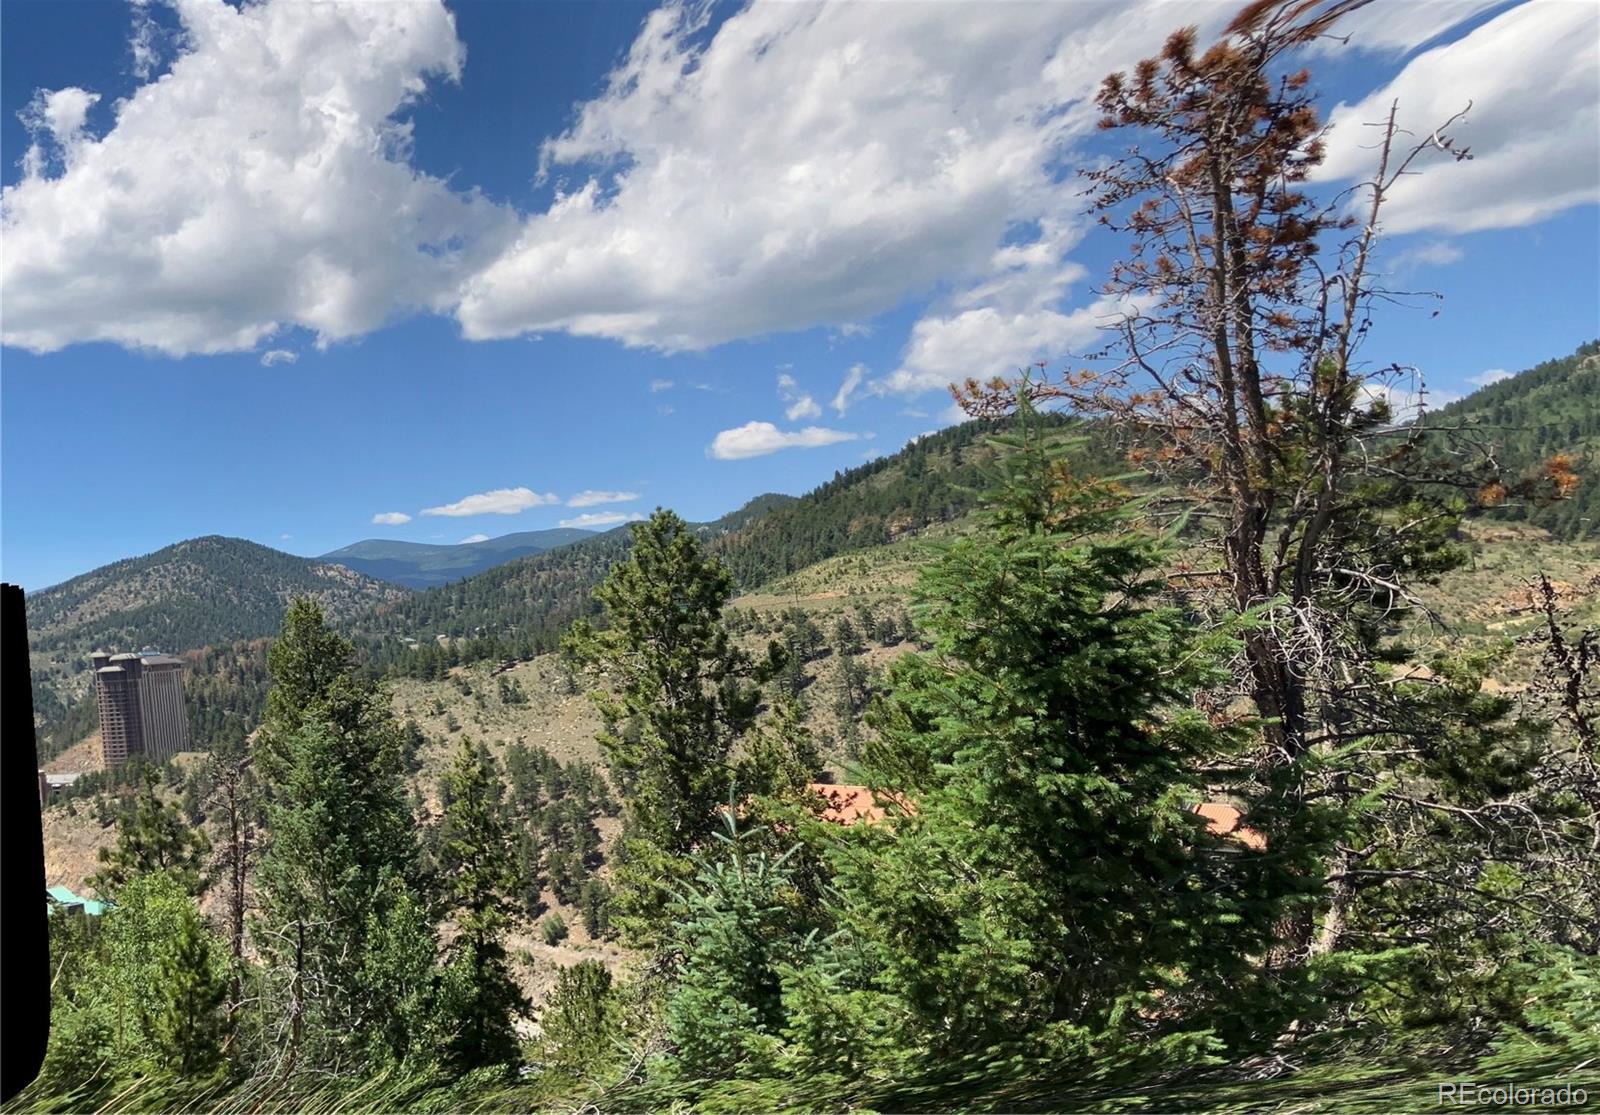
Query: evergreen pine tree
pixel 151 836
pixel 846 639
pixel 480 998
pixel 671 670
pixel 139 994
pixel 306 660
pixel 400 976
pixel 737 933
pixel 579 1020
pixel 1047 870
pixel 781 756
pixel 189 1022
pixel 595 901
pixel 341 840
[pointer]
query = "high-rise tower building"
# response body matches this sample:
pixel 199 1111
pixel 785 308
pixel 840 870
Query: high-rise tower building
pixel 141 706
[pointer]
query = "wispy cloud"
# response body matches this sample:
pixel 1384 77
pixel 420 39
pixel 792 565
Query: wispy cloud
pixel 594 519
pixel 1535 140
pixel 500 501
pixel 278 356
pixel 801 405
pixel 1435 253
pixel 590 498
pixel 757 439
pixel 390 518
pixel 471 538
pixel 1493 375
pixel 659 385
pixel 852 380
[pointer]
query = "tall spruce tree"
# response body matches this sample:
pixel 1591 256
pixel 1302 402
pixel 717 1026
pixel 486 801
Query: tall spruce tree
pixel 1047 873
pixel 480 999
pixel 305 661
pixel 671 672
pixel 341 836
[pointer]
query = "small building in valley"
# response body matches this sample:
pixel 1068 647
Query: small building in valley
pixel 62 899
pixel 52 784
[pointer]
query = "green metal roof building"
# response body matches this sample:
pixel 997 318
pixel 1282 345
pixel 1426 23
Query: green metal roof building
pixel 62 898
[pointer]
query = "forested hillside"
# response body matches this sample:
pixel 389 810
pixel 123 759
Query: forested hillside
pixel 517 609
pixel 204 592
pixel 521 608
pixel 934 479
pixel 1552 408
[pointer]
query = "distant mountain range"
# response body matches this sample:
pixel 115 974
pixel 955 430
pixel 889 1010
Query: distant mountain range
pixel 419 565
pixel 522 606
pixel 517 593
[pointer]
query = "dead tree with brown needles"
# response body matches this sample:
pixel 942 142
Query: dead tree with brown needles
pixel 1237 379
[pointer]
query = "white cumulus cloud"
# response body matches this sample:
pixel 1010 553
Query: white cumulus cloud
pixel 591 498
pixel 471 538
pixel 909 140
pixel 757 439
pixel 264 183
pixel 278 356
pixel 1491 375
pixel 55 121
pixel 593 519
pixel 500 501
pixel 261 183
pixel 1531 74
pixel 988 340
pixel 390 518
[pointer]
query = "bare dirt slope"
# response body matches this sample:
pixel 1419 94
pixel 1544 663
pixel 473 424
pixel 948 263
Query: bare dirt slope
pixel 85 755
pixel 72 843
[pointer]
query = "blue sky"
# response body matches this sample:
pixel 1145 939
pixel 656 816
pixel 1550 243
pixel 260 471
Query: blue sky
pixel 275 272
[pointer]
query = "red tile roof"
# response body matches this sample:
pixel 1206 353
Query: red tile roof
pixel 847 804
pixel 1225 820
